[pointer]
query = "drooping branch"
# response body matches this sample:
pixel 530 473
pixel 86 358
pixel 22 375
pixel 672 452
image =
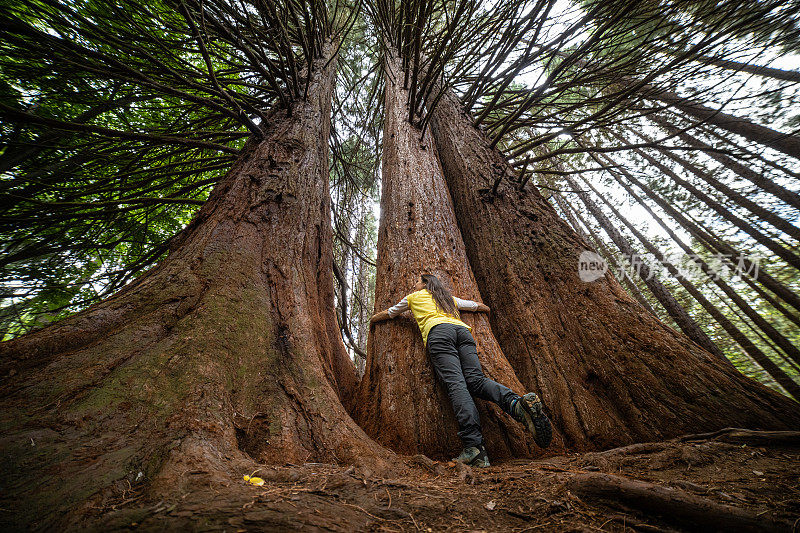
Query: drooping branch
pixel 688 325
pixel 787 255
pixel 765 326
pixel 122 116
pixel 790 197
pixel 762 359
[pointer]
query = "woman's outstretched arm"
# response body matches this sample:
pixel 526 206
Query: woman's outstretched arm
pixel 469 305
pixel 392 312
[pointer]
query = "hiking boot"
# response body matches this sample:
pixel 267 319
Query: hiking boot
pixel 474 456
pixel 528 410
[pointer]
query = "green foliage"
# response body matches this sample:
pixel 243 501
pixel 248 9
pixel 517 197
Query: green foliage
pixel 355 178
pixel 117 120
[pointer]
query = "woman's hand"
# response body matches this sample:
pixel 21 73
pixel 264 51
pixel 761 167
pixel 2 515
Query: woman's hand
pixel 379 317
pixel 482 308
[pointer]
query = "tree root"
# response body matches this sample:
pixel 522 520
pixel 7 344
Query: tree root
pixel 434 467
pixel 748 436
pixel 631 449
pixel 640 525
pixel 673 505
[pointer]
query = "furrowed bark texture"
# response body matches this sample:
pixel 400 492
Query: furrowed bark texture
pixel 399 401
pixel 224 355
pixel 610 372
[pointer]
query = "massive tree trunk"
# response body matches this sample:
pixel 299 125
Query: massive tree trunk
pixel 611 373
pixel 224 355
pixel 572 214
pixel 399 402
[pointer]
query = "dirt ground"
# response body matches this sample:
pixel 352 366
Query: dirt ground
pixel 698 484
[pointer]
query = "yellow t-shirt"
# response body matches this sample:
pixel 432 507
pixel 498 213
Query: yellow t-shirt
pixel 426 313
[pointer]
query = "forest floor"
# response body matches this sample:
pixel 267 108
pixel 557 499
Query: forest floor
pixel 683 484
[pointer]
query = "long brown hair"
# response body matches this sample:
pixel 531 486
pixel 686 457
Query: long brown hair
pixel 441 296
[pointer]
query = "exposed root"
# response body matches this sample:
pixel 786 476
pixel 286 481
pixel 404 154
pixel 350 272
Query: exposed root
pixel 749 436
pixel 628 521
pixel 674 505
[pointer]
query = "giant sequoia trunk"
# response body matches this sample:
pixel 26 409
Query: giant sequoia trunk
pixel 572 214
pixel 225 354
pixel 399 402
pixel 609 371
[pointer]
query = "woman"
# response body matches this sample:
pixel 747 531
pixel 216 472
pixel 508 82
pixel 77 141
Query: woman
pixel 452 350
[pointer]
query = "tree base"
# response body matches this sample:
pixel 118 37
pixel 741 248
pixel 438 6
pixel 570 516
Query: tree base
pixel 749 485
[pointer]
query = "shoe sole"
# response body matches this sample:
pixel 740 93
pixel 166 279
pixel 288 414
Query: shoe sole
pixel 536 421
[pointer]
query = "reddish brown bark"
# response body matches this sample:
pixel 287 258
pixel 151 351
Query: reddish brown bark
pixel 611 373
pixel 226 353
pixel 592 237
pixel 399 402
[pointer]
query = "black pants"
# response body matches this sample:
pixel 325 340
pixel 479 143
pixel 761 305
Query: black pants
pixel 455 359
